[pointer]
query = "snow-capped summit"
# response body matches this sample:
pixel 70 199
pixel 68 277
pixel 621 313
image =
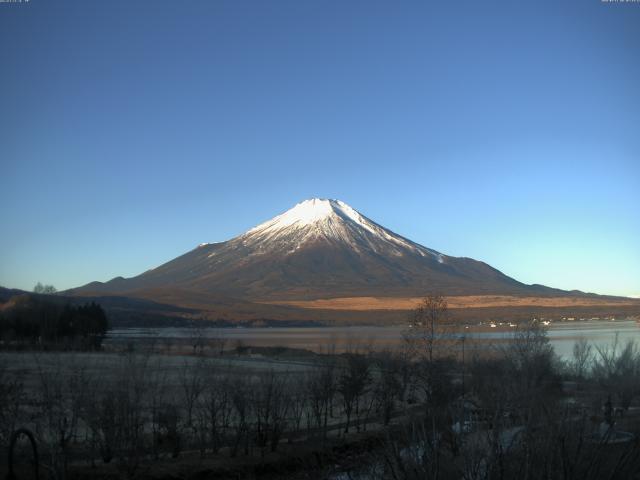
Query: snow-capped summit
pixel 314 210
pixel 331 220
pixel 308 211
pixel 319 248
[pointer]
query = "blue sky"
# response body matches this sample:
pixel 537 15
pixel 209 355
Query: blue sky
pixel 132 131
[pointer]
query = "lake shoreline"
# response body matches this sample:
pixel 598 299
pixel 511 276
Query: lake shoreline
pixel 562 335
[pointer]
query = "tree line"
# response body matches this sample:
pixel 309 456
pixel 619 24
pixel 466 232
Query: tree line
pixel 39 321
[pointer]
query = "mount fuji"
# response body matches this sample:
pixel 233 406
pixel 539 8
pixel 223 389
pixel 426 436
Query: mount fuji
pixel 318 249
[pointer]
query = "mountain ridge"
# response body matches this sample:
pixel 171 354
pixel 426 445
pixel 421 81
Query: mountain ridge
pixel 320 248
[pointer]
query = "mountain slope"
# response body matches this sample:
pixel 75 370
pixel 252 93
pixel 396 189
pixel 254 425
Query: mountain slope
pixel 320 248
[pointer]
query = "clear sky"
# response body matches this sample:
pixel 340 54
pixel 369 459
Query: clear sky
pixel 131 131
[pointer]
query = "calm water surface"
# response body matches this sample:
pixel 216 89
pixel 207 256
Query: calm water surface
pixel 561 334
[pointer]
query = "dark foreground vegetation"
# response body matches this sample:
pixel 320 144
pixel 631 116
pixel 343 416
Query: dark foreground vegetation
pixel 38 321
pixel 420 412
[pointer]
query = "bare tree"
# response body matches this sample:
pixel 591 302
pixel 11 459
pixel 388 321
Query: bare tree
pixel 167 428
pixel 12 397
pixel 389 385
pixel 322 388
pixel 215 408
pixel 270 408
pixel 531 356
pixel 428 321
pixel 130 415
pixel 298 402
pixel 44 289
pixel 618 370
pixel 198 340
pixel 60 396
pixel 157 395
pixel 352 385
pixel 240 400
pixel 99 416
pixel 192 383
pixel 218 343
pixel 582 356
pixel 413 454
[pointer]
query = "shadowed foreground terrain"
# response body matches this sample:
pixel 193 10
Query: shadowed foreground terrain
pixel 210 410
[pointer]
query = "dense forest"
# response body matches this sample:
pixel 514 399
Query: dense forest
pixel 38 320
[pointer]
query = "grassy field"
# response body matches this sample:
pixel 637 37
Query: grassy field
pixel 469 301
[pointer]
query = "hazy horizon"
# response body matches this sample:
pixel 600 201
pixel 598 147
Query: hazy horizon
pixel 132 132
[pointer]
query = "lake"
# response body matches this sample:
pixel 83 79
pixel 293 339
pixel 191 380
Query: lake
pixel 562 335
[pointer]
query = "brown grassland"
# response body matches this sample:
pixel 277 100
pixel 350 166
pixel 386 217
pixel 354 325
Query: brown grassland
pixel 466 301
